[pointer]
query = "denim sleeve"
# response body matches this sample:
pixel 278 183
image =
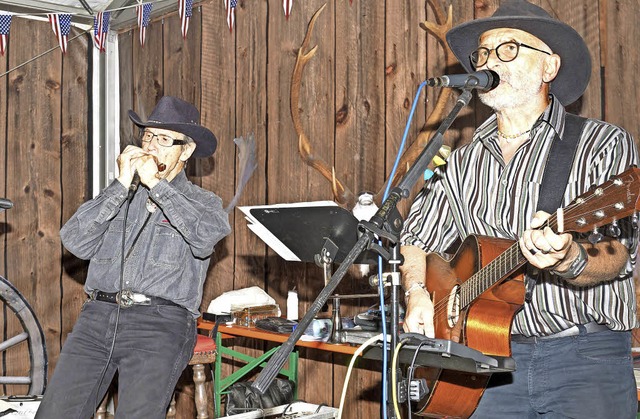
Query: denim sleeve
pixel 197 215
pixel 82 234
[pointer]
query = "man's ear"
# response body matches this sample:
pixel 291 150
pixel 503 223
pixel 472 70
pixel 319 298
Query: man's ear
pixel 551 67
pixel 187 151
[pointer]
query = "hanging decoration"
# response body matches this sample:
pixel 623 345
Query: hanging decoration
pixel 100 30
pixel 286 5
pixel 185 11
pixel 230 8
pixel 61 25
pixel 5 24
pixel 144 15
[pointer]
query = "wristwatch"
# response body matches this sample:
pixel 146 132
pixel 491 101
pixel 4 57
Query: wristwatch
pixel 577 266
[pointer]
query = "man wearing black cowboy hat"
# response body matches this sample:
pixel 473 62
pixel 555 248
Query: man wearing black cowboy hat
pixel 149 248
pixel 571 339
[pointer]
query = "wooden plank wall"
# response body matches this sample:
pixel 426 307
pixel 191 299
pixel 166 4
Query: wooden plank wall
pixel 45 139
pixel 355 99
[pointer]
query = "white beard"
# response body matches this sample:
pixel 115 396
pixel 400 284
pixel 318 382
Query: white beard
pixel 516 89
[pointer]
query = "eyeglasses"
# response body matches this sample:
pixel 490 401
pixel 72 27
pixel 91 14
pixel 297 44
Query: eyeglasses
pixel 163 140
pixel 506 51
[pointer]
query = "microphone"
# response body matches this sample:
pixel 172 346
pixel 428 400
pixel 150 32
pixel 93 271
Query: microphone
pixel 483 80
pixel 134 186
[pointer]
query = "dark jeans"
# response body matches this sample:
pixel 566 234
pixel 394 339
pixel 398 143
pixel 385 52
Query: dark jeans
pixel 584 376
pixel 153 346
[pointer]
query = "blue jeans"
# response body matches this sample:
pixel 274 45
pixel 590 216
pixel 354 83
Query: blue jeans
pixel 584 376
pixel 153 346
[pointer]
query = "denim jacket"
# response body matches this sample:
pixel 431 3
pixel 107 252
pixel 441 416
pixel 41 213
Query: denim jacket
pixel 171 255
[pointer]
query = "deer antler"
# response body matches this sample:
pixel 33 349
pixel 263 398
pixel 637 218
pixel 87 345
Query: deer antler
pixel 439 30
pixel 343 195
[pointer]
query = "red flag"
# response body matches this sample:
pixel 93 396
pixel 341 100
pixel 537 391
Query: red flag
pixel 100 29
pixel 144 15
pixel 5 24
pixel 286 5
pixel 61 25
pixel 230 7
pixel 185 11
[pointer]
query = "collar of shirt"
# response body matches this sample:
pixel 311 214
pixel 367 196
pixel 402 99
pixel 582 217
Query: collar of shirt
pixel 552 118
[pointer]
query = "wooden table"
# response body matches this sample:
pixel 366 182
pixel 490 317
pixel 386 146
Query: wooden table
pixel 226 332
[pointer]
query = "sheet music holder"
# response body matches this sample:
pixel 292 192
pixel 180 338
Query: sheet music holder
pixel 298 231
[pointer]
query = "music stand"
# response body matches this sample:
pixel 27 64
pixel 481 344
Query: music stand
pixel 300 231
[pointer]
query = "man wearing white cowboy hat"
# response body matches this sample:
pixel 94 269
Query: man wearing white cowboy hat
pixel 149 248
pixel 571 339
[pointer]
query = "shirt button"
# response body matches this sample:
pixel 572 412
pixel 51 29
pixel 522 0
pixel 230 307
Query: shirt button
pixel 504 182
pixel 127 282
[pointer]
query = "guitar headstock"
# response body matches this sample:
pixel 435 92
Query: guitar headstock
pixel 611 201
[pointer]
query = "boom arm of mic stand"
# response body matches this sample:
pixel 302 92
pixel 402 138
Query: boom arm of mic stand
pixel 271 370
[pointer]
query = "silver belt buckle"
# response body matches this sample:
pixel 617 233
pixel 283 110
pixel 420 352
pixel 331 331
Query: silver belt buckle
pixel 124 298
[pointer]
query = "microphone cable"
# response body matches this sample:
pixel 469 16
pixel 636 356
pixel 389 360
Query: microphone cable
pixel 123 259
pixel 115 331
pixel 385 360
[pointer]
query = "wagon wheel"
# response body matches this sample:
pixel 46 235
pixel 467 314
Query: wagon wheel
pixel 31 337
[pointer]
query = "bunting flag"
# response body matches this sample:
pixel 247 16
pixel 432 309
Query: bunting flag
pixel 286 5
pixel 5 24
pixel 230 7
pixel 184 11
pixel 144 15
pixel 61 25
pixel 100 29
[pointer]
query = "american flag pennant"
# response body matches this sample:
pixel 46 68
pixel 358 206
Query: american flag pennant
pixel 61 25
pixel 185 12
pixel 100 29
pixel 286 5
pixel 5 24
pixel 230 7
pixel 144 15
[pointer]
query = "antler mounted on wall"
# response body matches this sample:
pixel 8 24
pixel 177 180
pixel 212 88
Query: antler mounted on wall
pixel 343 195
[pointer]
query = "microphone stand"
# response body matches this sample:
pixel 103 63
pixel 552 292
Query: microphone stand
pixel 380 225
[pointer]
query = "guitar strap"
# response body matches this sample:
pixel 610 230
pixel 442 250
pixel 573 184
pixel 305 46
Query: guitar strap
pixel 556 175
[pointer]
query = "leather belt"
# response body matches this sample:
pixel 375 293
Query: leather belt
pixel 127 298
pixel 591 327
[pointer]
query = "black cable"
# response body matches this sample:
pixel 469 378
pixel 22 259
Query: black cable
pixel 410 374
pixel 115 331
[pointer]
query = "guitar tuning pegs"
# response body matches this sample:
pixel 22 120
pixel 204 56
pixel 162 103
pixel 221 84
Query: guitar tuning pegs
pixel 613 230
pixel 595 236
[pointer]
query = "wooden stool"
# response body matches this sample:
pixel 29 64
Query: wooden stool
pixel 203 353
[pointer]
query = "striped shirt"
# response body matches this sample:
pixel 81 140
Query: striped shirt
pixel 477 193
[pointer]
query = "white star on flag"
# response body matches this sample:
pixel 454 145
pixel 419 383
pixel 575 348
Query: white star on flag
pixel 230 8
pixel 286 5
pixel 185 12
pixel 5 24
pixel 144 15
pixel 61 25
pixel 100 29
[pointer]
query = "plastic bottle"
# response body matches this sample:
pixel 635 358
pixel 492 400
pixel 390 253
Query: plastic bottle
pixel 292 305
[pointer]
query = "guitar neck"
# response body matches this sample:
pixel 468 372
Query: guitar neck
pixel 508 262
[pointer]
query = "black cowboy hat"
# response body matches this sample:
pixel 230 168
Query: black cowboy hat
pixel 177 115
pixel 575 70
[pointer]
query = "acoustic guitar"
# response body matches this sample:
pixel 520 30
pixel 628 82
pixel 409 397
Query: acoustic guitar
pixel 477 293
